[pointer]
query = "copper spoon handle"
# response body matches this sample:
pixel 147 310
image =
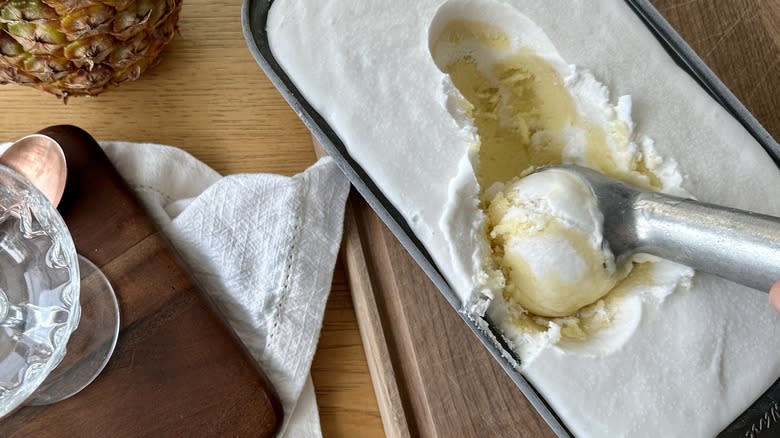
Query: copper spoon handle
pixel 40 159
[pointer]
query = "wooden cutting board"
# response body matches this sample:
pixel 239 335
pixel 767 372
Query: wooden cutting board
pixel 177 369
pixel 432 377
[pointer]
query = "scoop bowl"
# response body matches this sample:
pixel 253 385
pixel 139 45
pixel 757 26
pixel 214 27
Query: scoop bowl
pixel 740 246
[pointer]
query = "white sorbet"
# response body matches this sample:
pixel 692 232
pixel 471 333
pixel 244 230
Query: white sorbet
pixel 547 231
pixel 680 356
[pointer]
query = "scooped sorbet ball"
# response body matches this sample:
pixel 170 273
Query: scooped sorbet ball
pixel 546 234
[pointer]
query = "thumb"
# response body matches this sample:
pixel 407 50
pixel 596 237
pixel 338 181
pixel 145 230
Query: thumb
pixel 774 296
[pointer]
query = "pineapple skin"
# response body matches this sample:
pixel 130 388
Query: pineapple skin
pixel 82 47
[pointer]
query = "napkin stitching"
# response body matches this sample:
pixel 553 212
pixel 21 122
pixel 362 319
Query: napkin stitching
pixel 289 265
pixel 167 198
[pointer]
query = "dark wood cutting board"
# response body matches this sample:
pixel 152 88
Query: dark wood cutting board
pixel 177 369
pixel 432 377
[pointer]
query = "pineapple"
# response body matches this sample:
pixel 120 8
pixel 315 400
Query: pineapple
pixel 81 47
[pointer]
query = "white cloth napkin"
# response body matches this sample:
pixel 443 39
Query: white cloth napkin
pixel 263 246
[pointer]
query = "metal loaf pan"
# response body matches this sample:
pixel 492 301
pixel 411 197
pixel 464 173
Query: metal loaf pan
pixel 762 415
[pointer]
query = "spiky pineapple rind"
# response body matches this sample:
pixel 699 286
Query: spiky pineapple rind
pixel 82 47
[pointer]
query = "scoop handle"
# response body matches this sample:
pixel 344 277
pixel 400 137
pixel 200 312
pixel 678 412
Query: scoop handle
pixel 737 245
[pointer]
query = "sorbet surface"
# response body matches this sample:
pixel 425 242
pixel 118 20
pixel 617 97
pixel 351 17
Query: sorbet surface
pixel 641 360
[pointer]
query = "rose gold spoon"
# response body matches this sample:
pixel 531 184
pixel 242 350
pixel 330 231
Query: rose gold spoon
pixel 40 159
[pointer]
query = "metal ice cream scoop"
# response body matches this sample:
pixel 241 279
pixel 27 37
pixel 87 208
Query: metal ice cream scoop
pixel 737 245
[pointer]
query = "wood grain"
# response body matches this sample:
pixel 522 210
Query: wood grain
pixel 209 97
pixel 380 360
pixel 431 375
pixel 344 389
pixel 740 41
pixel 177 369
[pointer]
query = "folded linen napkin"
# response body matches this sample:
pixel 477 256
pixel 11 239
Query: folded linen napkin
pixel 262 246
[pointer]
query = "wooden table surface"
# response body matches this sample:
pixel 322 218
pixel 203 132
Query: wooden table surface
pixel 209 97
